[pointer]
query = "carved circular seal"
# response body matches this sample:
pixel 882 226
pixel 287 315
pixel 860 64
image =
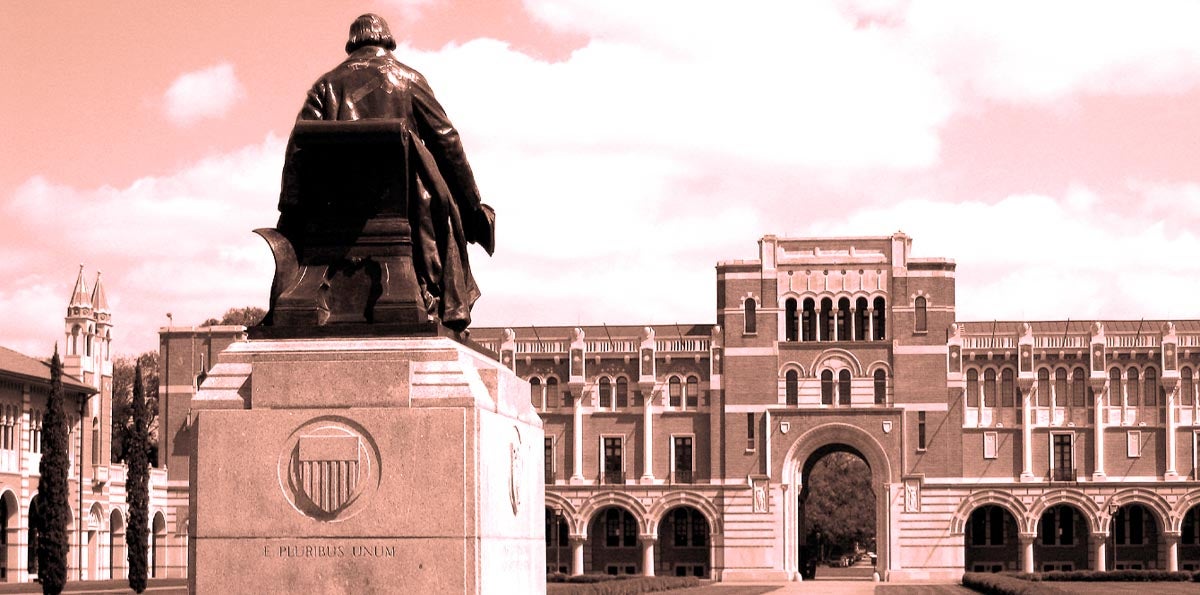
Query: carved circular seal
pixel 329 468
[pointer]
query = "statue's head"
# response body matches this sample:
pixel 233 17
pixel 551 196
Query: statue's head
pixel 369 29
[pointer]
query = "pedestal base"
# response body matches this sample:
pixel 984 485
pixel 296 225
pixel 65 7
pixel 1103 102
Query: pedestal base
pixel 365 465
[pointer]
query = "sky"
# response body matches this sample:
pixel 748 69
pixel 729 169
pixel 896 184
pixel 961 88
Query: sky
pixel 1051 149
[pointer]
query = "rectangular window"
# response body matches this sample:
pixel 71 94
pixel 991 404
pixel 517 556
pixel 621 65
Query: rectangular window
pixel 1063 461
pixel 750 439
pixel 692 394
pixel 675 392
pixel 614 470
pixel 920 430
pixel 550 477
pixel 622 393
pixel 990 440
pixel 1133 443
pixel 682 460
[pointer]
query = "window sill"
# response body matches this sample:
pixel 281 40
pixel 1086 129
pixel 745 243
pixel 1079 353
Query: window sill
pixel 921 332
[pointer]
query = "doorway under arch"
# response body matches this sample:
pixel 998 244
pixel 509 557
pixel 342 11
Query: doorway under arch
pixel 809 448
pixel 612 546
pixel 992 541
pixel 1062 539
pixel 684 544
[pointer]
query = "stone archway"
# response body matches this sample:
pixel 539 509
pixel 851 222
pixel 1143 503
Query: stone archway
pixel 804 452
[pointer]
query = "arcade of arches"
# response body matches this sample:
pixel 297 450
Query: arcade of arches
pixel 679 542
pixel 1069 535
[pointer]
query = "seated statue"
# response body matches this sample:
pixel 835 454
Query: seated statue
pixel 377 203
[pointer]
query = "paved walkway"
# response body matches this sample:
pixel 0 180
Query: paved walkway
pixel 832 587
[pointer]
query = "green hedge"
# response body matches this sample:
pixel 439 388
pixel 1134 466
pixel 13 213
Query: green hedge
pixel 1110 576
pixel 1004 584
pixel 585 578
pixel 627 586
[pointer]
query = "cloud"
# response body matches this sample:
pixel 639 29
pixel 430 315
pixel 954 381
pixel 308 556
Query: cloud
pixel 1038 257
pixel 1039 52
pixel 202 94
pixel 178 243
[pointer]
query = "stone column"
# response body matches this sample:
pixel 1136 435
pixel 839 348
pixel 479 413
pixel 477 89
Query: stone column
pixel 1098 442
pixel 1027 540
pixel 577 438
pixel 853 323
pixel 1099 542
pixel 648 542
pixel 820 327
pixel 837 335
pixel 871 325
pixel 648 442
pixel 1172 540
pixel 1171 473
pixel 577 554
pixel 1027 435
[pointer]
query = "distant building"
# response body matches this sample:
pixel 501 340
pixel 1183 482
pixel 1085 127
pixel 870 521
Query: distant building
pixel 683 449
pixel 97 534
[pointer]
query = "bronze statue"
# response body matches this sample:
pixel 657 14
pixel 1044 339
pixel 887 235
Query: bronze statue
pixel 377 203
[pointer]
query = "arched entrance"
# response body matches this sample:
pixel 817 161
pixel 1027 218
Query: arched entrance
pixel 1133 539
pixel 8 536
pixel 684 539
pixel 612 546
pixel 158 546
pixel 992 542
pixel 836 520
pixel 558 543
pixel 116 544
pixel 809 448
pixel 1062 539
pixel 36 526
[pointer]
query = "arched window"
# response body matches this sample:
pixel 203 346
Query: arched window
pixel 751 314
pixel 1078 389
pixel 1186 387
pixel 88 341
pixel 95 441
pixel 536 396
pixel 622 392
pixel 1043 388
pixel 809 320
pixel 675 391
pixel 1151 384
pixel 844 387
pixel 972 388
pixel 1060 388
pixel 605 386
pixel 791 387
pixel 791 321
pixel 843 320
pixel 921 320
pixel 1008 392
pixel 989 388
pixel 827 387
pixel 880 319
pixel 552 392
pixel 73 346
pixel 692 396
pixel 880 387
pixel 825 316
pixel 862 319
pixel 1115 394
pixel 1131 387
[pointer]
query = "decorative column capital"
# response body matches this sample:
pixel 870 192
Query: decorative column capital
pixel 576 540
pixel 647 539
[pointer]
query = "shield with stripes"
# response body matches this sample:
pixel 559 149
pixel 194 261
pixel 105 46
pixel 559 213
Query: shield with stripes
pixel 326 471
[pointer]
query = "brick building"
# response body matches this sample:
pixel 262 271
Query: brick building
pixel 97 486
pixel 684 449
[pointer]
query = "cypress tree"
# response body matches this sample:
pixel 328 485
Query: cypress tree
pixel 53 491
pixel 137 487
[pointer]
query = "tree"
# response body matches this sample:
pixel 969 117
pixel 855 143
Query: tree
pixel 137 487
pixel 53 491
pixel 122 409
pixel 840 500
pixel 246 316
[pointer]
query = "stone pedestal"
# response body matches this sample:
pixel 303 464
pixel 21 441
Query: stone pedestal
pixel 365 465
